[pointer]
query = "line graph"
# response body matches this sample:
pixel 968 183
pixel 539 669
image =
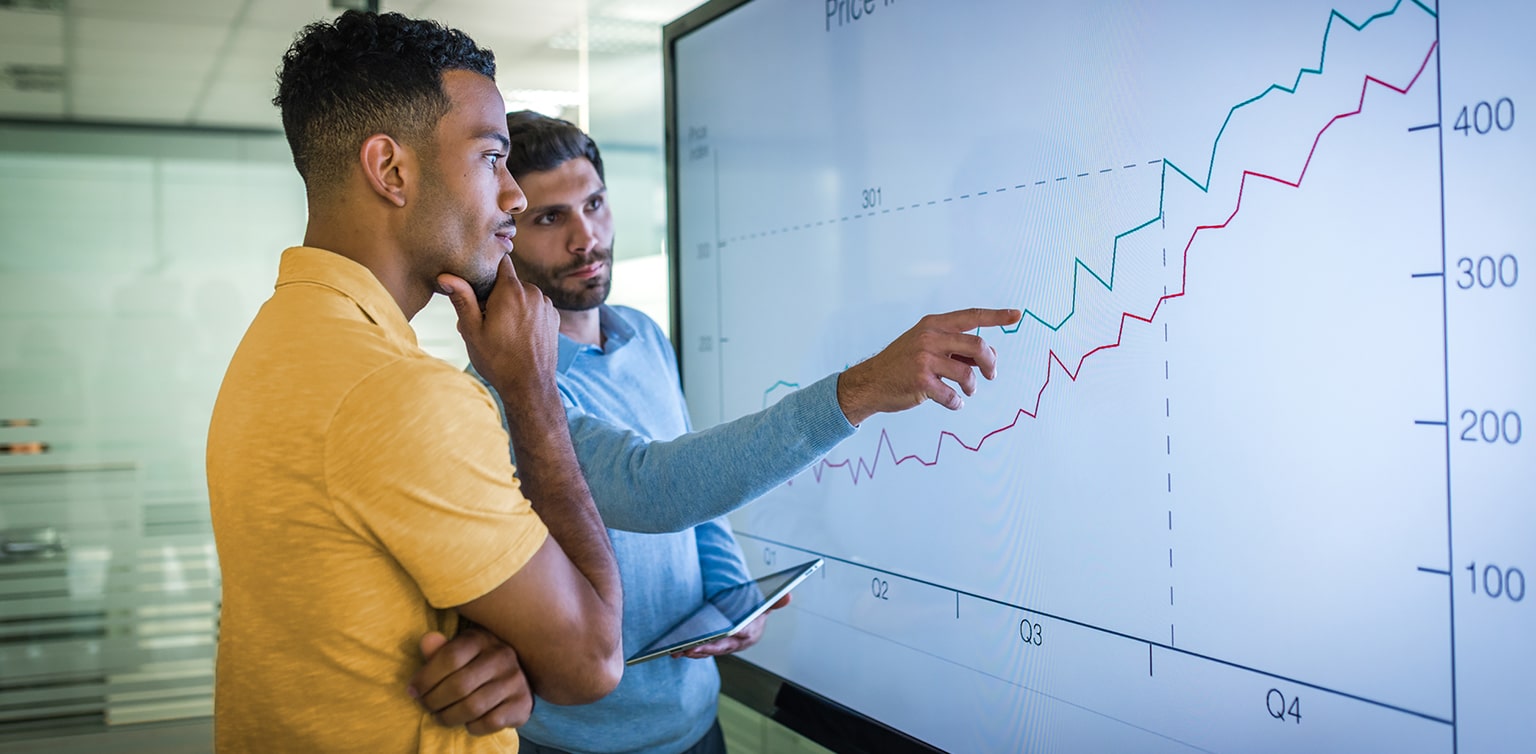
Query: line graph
pixel 860 467
pixel 1265 466
pixel 1078 263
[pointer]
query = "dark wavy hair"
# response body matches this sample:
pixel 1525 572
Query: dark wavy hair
pixel 363 74
pixel 541 143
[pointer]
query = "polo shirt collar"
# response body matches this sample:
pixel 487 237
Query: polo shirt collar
pixel 305 264
pixel 616 332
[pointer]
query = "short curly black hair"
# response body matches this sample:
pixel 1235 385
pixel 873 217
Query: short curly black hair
pixel 363 74
pixel 541 143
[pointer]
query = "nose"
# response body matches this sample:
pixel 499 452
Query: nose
pixel 583 234
pixel 511 200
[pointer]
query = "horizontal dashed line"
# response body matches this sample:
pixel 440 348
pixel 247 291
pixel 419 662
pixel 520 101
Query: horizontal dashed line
pixel 930 203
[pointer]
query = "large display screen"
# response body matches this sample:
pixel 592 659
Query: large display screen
pixel 1253 475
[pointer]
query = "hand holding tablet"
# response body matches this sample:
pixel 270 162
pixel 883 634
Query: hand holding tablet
pixel 727 612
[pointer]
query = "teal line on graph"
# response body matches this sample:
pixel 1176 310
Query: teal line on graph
pixel 1321 58
pixel 776 386
pixel 1162 192
pixel 1078 263
pixel 785 384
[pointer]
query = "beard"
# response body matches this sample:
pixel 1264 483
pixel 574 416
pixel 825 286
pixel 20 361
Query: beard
pixel 483 284
pixel 573 295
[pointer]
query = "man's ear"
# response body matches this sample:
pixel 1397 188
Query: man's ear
pixel 388 167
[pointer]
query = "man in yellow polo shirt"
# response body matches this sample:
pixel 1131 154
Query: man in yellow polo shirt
pixel 361 491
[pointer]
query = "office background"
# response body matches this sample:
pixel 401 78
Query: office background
pixel 146 192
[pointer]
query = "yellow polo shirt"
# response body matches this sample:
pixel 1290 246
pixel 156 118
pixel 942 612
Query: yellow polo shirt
pixel 359 489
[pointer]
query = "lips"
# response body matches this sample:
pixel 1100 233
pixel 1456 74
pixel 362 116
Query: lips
pixel 505 237
pixel 588 271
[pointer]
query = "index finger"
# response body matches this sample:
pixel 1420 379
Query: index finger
pixel 970 319
pixel 506 278
pixel 505 268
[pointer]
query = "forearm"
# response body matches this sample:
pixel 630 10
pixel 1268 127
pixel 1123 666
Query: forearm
pixel 671 486
pixel 553 483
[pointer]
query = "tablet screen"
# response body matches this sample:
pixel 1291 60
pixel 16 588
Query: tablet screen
pixel 727 611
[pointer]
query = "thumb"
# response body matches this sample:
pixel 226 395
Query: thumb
pixel 431 643
pixel 464 301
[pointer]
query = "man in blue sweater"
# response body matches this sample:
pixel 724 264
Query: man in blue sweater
pixel 618 377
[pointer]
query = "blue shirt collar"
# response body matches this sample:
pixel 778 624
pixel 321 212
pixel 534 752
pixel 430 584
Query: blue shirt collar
pixel 616 332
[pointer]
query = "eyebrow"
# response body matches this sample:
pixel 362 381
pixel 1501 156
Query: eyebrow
pixel 498 137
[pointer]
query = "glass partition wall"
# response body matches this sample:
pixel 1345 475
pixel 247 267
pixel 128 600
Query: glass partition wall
pixel 131 261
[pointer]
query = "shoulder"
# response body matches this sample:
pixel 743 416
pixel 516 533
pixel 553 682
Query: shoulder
pixel 417 389
pixel 645 329
pixel 640 321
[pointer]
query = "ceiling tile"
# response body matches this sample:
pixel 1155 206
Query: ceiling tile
pixel 217 12
pixel 540 69
pixel 141 35
pixel 657 12
pixel 244 103
pixel 132 99
pixel 150 60
pixel 31 27
pixel 527 21
pixel 152 64
pixel 31 54
pixel 287 16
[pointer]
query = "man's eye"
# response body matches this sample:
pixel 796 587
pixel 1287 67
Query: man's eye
pixel 546 219
pixel 494 158
pixel 596 203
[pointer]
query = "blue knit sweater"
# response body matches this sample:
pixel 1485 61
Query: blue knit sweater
pixel 662 490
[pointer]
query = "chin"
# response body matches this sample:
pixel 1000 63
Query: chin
pixel 583 300
pixel 482 287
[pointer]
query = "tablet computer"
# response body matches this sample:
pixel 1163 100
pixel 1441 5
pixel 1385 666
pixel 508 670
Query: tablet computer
pixel 726 612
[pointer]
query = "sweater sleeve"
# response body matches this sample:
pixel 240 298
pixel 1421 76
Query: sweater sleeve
pixel 670 486
pixel 720 558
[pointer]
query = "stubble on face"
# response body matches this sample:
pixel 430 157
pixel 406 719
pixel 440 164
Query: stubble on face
pixel 465 199
pixel 571 294
pixel 441 221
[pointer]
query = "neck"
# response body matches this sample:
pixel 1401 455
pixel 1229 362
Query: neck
pixel 343 230
pixel 583 326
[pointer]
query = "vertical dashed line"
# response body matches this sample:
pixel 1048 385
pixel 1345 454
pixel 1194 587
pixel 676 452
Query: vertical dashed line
pixel 1168 456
